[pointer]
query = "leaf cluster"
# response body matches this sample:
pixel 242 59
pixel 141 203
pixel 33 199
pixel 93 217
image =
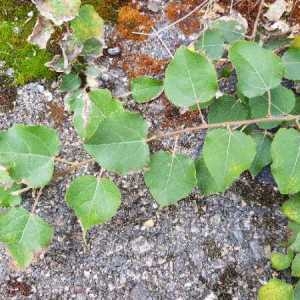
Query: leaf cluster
pixel 255 127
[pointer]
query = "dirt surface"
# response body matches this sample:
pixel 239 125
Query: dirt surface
pixel 202 248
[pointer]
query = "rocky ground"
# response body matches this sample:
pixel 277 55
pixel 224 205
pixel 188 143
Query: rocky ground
pixel 202 248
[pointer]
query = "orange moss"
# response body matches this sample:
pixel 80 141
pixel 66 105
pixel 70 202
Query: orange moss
pixel 177 10
pixel 131 20
pixel 139 65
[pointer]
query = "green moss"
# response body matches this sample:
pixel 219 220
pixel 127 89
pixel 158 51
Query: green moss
pixel 27 60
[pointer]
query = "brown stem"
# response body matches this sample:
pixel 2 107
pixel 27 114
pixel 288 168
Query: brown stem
pixel 255 26
pixel 224 124
pixel 73 163
pixel 36 200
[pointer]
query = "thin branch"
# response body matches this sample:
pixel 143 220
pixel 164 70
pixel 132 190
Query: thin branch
pixel 184 17
pixel 224 124
pixel 255 26
pixel 201 114
pixel 36 200
pixel 175 22
pixel 125 95
pixel 73 163
pixel 163 42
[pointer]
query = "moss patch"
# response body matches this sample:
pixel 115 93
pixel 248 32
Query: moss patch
pixel 27 60
pixel 107 9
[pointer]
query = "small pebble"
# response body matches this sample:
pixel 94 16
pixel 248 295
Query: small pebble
pixel 114 51
pixel 149 223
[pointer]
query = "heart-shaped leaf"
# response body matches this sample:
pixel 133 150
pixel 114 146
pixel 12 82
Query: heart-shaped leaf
pixel 170 178
pixel 285 151
pixel 258 69
pixel 227 154
pixel 119 144
pixel 190 79
pixel 28 152
pixel 283 101
pixel 95 201
pixel 145 89
pixel 24 235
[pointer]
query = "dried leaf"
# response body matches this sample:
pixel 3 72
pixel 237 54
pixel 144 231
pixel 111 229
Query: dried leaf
pixel 41 33
pixel 276 10
pixel 58 11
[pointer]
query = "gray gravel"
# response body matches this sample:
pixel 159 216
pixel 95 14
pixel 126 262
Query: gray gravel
pixel 202 248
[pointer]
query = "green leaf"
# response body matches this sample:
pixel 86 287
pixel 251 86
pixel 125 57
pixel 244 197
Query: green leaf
pixel 87 24
pixel 291 60
pixel 119 144
pixel 227 154
pixel 190 78
pixel 90 110
pixel 285 152
pixel 171 177
pixel 58 11
pixel 24 234
pixel 297 290
pixel 291 208
pixel 294 229
pixel 5 180
pixel 28 152
pixel 145 89
pixel 212 43
pixel 296 266
pixel 227 108
pixel 206 182
pixel 7 198
pixel 231 29
pixel 95 201
pixel 295 246
pixel 263 153
pixel 258 69
pixel 281 261
pixel 276 289
pixel 70 82
pixel 92 47
pixel 283 101
pixel 276 42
